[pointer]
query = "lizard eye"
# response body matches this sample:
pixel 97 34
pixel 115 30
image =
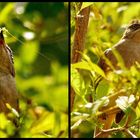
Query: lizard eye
pixel 131 28
pixel 134 26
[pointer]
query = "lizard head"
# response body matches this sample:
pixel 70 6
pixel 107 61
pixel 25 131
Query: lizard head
pixel 133 31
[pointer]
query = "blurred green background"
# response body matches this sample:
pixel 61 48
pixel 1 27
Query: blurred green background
pixel 38 36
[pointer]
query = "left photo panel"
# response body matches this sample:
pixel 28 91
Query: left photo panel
pixel 34 70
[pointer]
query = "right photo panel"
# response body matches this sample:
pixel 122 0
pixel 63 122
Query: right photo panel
pixel 105 70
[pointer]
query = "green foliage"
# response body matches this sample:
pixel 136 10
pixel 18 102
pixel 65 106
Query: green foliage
pixel 107 22
pixel 38 35
pixel 86 4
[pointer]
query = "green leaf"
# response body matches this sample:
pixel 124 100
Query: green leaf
pixel 82 65
pixel 4 14
pixel 96 12
pixel 57 123
pixel 86 4
pixel 3 134
pixel 76 80
pixel 45 123
pixel 97 69
pixel 4 121
pixel 102 89
pixel 89 66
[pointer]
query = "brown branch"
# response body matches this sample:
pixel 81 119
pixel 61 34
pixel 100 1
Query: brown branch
pixel 81 25
pixel 123 128
pixel 111 110
pixel 115 130
pixel 130 133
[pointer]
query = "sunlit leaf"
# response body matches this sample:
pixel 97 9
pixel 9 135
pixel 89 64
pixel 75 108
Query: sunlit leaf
pixel 102 89
pixel 96 12
pixel 86 4
pixel 45 123
pixel 89 66
pixel 4 121
pixel 82 65
pixel 75 80
pixel 5 12
pixel 3 134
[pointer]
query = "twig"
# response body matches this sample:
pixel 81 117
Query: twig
pixel 125 128
pixel 109 131
pixel 130 133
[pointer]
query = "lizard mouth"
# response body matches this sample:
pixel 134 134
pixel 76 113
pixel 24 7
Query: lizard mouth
pixel 1 37
pixel 1 34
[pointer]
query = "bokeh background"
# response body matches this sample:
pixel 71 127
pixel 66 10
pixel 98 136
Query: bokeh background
pixel 38 35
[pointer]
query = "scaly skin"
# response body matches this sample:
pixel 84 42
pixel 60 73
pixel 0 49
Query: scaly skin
pixel 8 92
